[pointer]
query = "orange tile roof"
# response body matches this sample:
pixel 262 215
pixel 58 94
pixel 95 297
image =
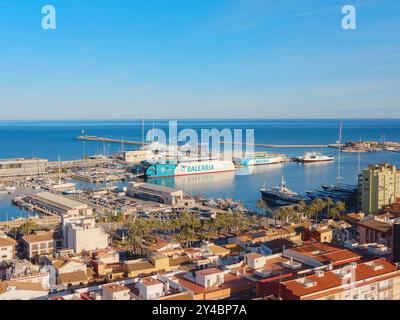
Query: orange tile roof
pixel 115 287
pixel 150 281
pixel 28 286
pixel 7 242
pixel 230 282
pixel 41 237
pixel 209 271
pixel 331 280
pixel 377 225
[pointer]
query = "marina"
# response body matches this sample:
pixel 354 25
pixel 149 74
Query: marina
pixel 242 184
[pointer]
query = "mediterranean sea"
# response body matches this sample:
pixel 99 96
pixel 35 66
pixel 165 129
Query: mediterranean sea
pixel 53 139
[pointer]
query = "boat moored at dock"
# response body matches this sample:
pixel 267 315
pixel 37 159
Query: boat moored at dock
pixel 281 195
pixel 170 169
pixel 310 157
pixel 262 159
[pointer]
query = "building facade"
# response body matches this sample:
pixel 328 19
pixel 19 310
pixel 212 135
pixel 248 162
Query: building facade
pixel 379 186
pixel 22 167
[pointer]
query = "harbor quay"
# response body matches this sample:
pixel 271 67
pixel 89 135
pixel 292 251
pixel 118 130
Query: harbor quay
pixel 100 229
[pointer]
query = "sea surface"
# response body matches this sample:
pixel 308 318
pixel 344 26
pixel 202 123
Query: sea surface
pixel 58 139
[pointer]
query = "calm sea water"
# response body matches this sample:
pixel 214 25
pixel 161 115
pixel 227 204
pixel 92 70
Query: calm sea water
pixel 58 139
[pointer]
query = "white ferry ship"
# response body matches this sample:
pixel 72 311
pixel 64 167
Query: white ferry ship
pixel 309 157
pixel 262 159
pixel 169 169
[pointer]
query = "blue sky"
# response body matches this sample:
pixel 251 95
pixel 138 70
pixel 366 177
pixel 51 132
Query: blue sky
pixel 177 59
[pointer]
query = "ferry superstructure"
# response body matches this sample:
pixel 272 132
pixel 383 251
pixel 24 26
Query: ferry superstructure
pixel 310 157
pixel 262 159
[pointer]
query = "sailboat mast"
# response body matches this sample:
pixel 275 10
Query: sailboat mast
pixel 339 177
pixel 142 130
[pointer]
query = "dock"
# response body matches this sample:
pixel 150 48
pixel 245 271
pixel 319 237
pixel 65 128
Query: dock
pixel 108 140
pixel 262 145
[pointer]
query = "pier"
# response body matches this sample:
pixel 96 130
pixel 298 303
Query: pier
pixel 95 138
pixel 263 145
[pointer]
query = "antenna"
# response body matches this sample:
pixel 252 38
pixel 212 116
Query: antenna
pixel 142 130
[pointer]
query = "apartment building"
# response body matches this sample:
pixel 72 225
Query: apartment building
pixel 372 280
pixel 38 244
pixel 379 186
pixel 82 234
pixel 374 230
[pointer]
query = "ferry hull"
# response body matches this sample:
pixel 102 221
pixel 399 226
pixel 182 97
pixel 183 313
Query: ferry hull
pixel 261 161
pixel 160 170
pixel 314 161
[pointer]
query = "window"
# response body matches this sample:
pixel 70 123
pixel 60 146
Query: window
pixel 35 247
pixel 43 245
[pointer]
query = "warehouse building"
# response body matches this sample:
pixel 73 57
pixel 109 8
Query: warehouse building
pixel 22 167
pixel 59 205
pixel 157 193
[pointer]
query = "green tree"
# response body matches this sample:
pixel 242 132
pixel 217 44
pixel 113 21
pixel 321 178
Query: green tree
pixel 27 228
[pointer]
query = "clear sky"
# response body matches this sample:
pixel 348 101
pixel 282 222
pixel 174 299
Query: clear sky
pixel 117 59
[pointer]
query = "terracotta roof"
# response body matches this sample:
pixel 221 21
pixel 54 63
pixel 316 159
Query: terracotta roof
pixel 327 254
pixel 254 255
pixel 7 242
pixel 63 262
pixel 231 281
pixel 377 225
pixel 179 296
pixel 137 266
pixel 209 271
pixel 218 250
pixel 234 248
pixel 28 286
pixel 116 287
pixel 38 237
pixel 150 281
pixel 331 280
pixel 72 277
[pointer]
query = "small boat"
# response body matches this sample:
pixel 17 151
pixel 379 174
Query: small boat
pixel 310 157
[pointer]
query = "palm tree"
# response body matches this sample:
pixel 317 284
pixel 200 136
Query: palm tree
pixel 27 228
pixel 329 204
pixel 137 230
pixel 340 206
pixel 318 205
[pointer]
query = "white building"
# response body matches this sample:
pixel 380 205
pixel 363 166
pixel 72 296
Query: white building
pixel 7 247
pixel 10 290
pixel 209 277
pixel 22 167
pixel 150 288
pixel 82 234
pixel 115 292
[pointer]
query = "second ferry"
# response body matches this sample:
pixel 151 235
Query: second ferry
pixel 310 157
pixel 262 159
